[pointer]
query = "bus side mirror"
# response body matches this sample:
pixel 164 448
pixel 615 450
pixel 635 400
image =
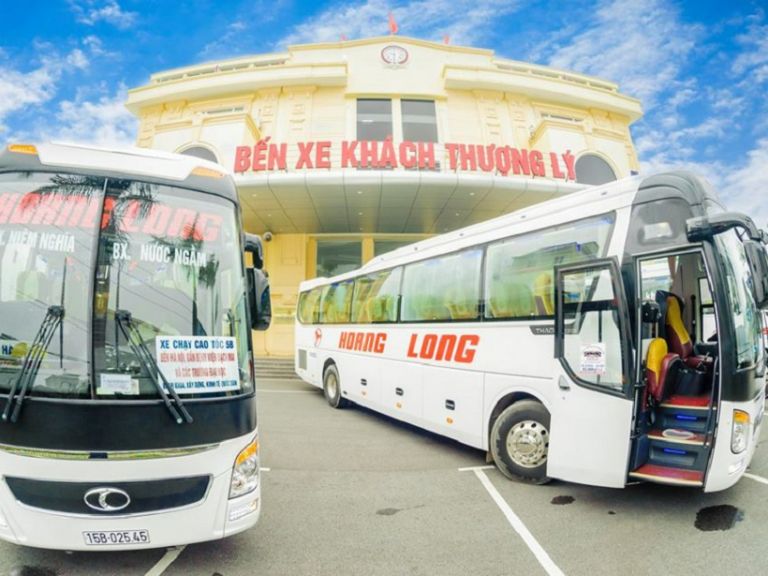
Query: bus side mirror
pixel 758 263
pixel 259 300
pixel 705 227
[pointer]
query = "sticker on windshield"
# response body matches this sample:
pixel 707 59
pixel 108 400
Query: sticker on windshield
pixel 592 360
pixel 199 364
pixel 118 384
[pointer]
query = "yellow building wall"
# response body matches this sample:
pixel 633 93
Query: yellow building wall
pixel 286 262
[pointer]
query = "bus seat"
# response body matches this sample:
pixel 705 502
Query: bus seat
pixel 377 313
pixel 542 294
pixel 661 369
pixel 433 308
pixel 677 336
pixel 522 301
pixel 361 311
pixel 460 305
pixel 379 308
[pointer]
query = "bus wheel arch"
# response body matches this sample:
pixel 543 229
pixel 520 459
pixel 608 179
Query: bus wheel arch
pixel 519 438
pixel 332 386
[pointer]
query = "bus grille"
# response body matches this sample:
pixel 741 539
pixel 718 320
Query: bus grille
pixel 143 497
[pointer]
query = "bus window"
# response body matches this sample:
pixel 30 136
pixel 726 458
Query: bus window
pixel 443 288
pixel 376 297
pixel 45 258
pixel 519 270
pixel 309 306
pixel 592 342
pixel 336 302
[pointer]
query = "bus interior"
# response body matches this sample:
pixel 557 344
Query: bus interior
pixel 674 428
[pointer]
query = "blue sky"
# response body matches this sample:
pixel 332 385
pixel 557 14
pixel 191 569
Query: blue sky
pixel 700 68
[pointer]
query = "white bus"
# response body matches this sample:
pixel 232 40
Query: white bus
pixel 567 339
pixel 127 404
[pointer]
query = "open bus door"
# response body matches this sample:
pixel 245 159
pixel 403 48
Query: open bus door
pixel 591 413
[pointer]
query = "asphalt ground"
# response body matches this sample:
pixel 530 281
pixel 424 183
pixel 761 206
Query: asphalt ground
pixel 350 492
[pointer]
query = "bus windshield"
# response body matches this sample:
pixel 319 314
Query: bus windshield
pixel 91 246
pixel 742 308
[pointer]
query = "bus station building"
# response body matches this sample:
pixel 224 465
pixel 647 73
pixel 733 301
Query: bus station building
pixel 343 151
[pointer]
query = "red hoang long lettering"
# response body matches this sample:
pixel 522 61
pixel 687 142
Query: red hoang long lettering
pixel 363 341
pixel 34 209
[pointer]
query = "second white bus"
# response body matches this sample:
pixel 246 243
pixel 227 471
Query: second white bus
pixel 607 337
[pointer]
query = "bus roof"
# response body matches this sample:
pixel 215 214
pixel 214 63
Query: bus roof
pixel 590 201
pixel 133 163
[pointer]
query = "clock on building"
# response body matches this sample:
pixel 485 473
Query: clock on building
pixel 396 55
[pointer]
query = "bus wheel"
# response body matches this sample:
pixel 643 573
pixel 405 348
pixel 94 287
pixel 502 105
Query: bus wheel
pixel 520 442
pixel 332 388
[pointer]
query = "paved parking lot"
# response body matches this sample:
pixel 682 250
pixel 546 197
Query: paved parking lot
pixel 352 492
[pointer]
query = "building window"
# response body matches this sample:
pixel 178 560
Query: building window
pixel 338 256
pixel 200 152
pixel 593 170
pixel 383 246
pixel 419 120
pixel 374 119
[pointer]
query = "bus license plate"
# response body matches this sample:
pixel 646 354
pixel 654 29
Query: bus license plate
pixel 116 537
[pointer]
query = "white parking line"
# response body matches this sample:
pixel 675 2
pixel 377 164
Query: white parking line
pixel 170 555
pixel 473 468
pixel 541 555
pixel 265 469
pixel 277 391
pixel 756 478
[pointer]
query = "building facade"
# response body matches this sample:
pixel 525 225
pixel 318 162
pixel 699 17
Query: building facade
pixel 342 151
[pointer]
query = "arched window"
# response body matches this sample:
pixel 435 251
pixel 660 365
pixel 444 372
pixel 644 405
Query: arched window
pixel 591 169
pixel 205 154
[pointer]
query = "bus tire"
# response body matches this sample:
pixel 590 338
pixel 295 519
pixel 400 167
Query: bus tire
pixel 332 388
pixel 520 442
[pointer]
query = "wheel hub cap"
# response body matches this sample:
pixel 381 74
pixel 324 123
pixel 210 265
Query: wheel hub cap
pixel 528 444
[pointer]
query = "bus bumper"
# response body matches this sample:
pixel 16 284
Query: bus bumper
pixel 215 516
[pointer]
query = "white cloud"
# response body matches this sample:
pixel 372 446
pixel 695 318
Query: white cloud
pixel 78 59
pixel 90 12
pixel 465 21
pixel 20 90
pixel 94 45
pixel 103 122
pixel 642 45
pixel 744 189
pixel 224 46
pixel 754 57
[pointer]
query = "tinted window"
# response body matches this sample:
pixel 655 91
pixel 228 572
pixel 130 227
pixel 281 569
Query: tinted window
pixel 335 257
pixel 170 258
pixel 376 297
pixel 520 270
pixel 443 288
pixel 48 228
pixel 383 246
pixel 419 120
pixel 742 309
pixel 374 119
pixel 591 169
pixel 309 306
pixel 336 302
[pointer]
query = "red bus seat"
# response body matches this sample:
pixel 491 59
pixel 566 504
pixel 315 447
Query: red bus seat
pixel 677 336
pixel 661 369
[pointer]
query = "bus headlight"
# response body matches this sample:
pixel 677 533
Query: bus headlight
pixel 740 431
pixel 245 473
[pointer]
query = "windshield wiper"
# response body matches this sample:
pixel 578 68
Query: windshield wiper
pixel 32 360
pixel 124 321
